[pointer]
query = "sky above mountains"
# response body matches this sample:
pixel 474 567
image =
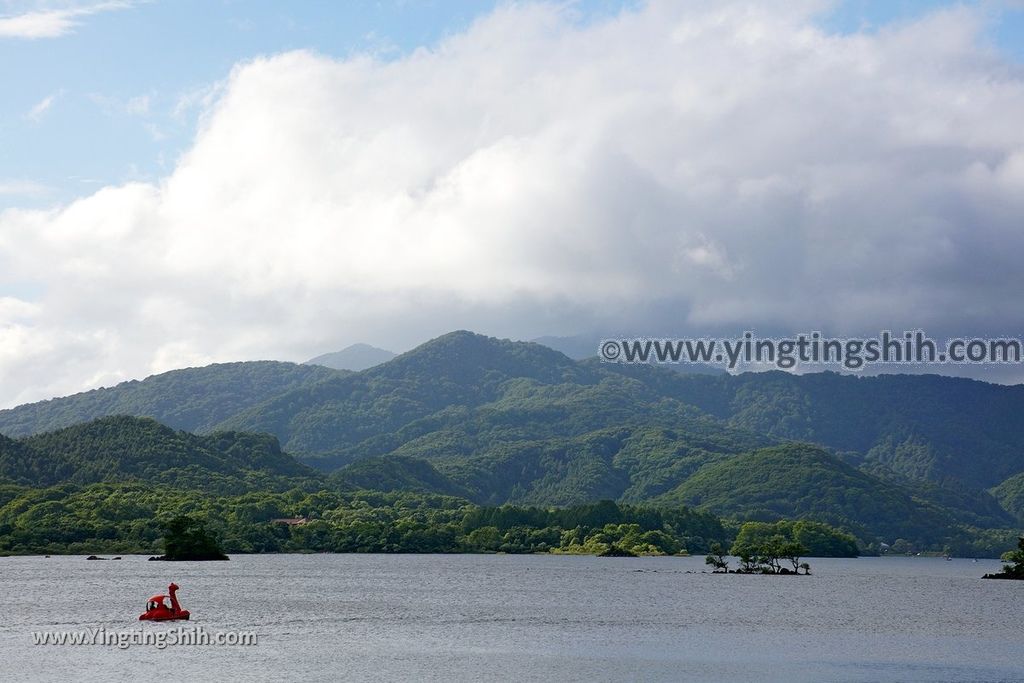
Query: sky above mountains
pixel 190 182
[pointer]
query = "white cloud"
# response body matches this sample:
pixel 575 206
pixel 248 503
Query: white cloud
pixel 52 23
pixel 39 109
pixel 681 168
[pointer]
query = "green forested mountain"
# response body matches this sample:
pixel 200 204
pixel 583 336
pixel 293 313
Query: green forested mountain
pixel 194 399
pixel 1010 495
pixel 122 449
pixel 332 418
pixel 505 422
pixel 805 482
pixel 463 394
pixel 397 473
pixel 497 422
pixel 19 464
pixel 519 422
pixel 626 463
pixel 923 427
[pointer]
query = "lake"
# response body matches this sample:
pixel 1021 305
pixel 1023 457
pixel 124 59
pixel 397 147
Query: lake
pixel 522 618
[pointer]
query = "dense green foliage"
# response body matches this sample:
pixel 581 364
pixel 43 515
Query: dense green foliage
pixel 592 529
pixel 1014 569
pixel 18 463
pixel 193 399
pixel 816 539
pixel 187 539
pixel 396 473
pixel 769 555
pixel 136 518
pixel 805 482
pixel 922 426
pixel 1010 495
pixel 130 517
pixel 140 449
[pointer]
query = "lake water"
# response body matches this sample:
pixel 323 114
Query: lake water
pixel 495 617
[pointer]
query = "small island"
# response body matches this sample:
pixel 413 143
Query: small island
pixel 188 539
pixel 1013 571
pixel 761 549
pixel 765 560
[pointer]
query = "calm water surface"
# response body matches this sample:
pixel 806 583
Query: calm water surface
pixel 473 617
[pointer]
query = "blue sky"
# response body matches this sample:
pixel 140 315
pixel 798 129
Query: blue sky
pixel 119 83
pixel 116 97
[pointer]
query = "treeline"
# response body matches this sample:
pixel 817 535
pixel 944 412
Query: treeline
pixel 814 538
pixel 591 529
pixel 129 518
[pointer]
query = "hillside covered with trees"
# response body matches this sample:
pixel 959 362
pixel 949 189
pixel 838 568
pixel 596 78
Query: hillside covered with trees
pixel 928 461
pixel 193 399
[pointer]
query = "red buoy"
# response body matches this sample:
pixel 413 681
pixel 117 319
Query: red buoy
pixel 157 608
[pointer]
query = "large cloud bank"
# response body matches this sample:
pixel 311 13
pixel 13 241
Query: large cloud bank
pixel 677 168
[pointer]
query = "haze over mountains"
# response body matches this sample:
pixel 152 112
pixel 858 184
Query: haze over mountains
pixel 193 399
pixel 493 421
pixel 355 357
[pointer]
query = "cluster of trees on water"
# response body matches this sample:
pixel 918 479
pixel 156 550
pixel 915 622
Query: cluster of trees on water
pixel 188 538
pixel 1014 567
pixel 133 518
pixel 766 548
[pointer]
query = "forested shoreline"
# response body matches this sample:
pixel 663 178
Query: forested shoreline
pixel 128 519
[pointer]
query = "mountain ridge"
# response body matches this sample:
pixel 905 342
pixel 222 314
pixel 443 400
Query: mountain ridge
pixel 193 399
pixel 498 421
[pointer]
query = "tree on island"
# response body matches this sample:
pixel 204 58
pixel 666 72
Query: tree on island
pixel 765 556
pixel 716 558
pixel 1015 570
pixel 791 550
pixel 187 538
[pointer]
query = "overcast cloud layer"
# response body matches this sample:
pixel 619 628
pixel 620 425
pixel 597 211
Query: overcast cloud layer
pixel 670 170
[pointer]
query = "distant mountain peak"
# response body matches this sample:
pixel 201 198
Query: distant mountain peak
pixel 463 354
pixel 355 357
